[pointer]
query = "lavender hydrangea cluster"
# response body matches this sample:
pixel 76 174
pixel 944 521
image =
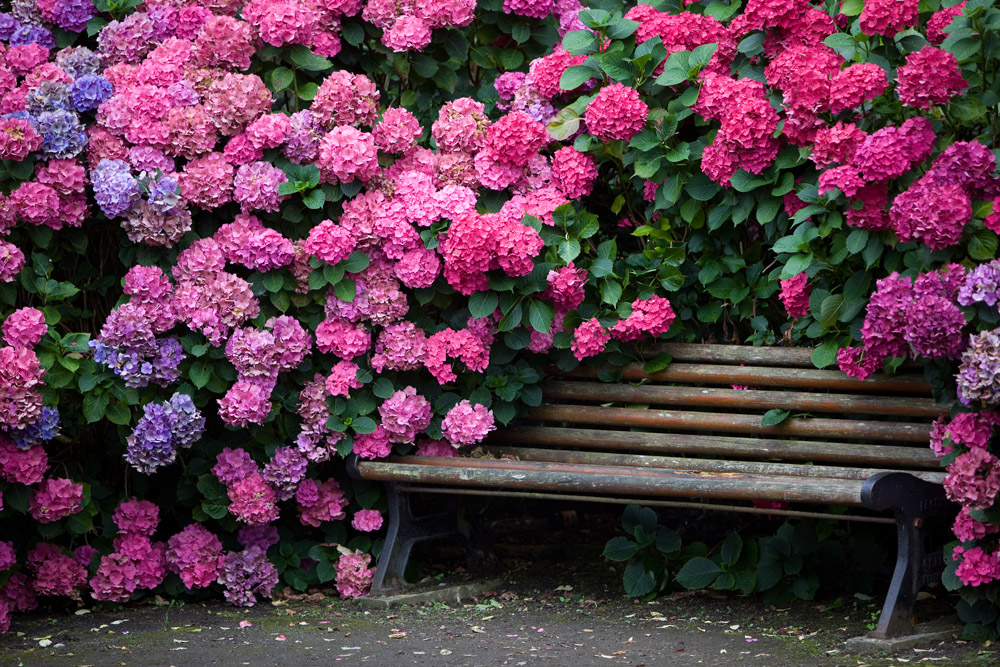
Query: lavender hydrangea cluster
pixel 140 368
pixel 247 573
pixel 981 285
pixel 164 194
pixel 115 190
pixel 979 375
pixel 162 429
pixel 41 430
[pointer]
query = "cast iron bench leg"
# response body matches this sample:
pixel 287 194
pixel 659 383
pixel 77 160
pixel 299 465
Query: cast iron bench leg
pixel 403 532
pixel 912 501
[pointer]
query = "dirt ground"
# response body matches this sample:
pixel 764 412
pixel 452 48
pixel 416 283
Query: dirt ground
pixel 556 603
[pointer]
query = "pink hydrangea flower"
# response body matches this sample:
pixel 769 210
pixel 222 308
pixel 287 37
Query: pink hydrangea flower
pixel 930 76
pixel 245 403
pixel 405 414
pixel 367 520
pixel 195 554
pixel 616 114
pixel 354 577
pixel 589 338
pixel 24 327
pixel 253 501
pixel 467 424
pixel 652 316
pixel 374 445
pixel 319 502
pixel 973 479
pixel 795 295
pixel 55 499
pixel 343 377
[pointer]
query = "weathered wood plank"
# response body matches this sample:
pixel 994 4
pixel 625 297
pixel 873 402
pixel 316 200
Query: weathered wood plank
pixel 758 376
pixel 608 480
pixel 730 423
pixel 800 357
pixel 719 446
pixel 746 399
pixel 705 465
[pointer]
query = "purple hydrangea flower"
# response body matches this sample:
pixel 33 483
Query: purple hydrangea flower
pixel 164 194
pixel 41 430
pixel 32 34
pixel 187 424
pixel 979 375
pixel 285 470
pixel 89 91
pixel 246 573
pixel 62 133
pixel 79 60
pixel 115 190
pixel 8 24
pixel 73 14
pixel 981 284
pixel 163 428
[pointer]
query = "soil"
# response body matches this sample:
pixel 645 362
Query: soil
pixel 558 603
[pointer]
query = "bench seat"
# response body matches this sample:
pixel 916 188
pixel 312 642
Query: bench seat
pixel 693 435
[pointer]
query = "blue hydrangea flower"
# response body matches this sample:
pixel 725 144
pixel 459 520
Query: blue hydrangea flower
pixel 62 133
pixel 48 96
pixel 73 14
pixel 89 90
pixel 115 190
pixel 43 429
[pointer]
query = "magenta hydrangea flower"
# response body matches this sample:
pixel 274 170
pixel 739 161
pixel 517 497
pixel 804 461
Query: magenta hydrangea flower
pixel 195 554
pixel 319 502
pixel 55 499
pixel 365 520
pixel 616 114
pixel 24 327
pixel 252 500
pixel 354 577
pixel 795 295
pixel 589 338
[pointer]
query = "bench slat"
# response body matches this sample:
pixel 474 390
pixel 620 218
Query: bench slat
pixel 608 479
pixel 800 357
pixel 706 465
pixel 743 399
pixel 722 446
pixel 758 376
pixel 730 423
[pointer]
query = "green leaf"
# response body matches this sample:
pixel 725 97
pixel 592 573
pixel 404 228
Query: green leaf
pixel 752 44
pixel 200 374
pixel 281 78
pixel 638 581
pixel 575 76
pixel 315 199
pixel 857 240
pixel 698 572
pixel 94 406
pixel 357 262
pixel 773 418
pixel 620 549
pixel 826 354
pixel 308 91
pixel 611 292
pixel 302 57
pixel 382 388
pixel 732 547
pixel 983 245
pixel 521 33
pixel 569 250
pixel 482 304
pixel 852 7
pixel 540 314
pixel 363 425
pixel 353 33
pixel 579 42
pixel 346 290
pixel 830 310
pixel 118 413
pixel 672 76
pixel 621 29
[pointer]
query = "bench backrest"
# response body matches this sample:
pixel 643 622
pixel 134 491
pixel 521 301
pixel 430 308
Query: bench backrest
pixel 691 409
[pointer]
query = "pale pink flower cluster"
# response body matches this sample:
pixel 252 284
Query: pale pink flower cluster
pixel 354 577
pixel 405 414
pixel 367 520
pixel 467 424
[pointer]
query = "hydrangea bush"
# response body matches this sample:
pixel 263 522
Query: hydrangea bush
pixel 244 240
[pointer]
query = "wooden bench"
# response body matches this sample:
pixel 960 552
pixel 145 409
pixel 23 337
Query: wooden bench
pixel 686 433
